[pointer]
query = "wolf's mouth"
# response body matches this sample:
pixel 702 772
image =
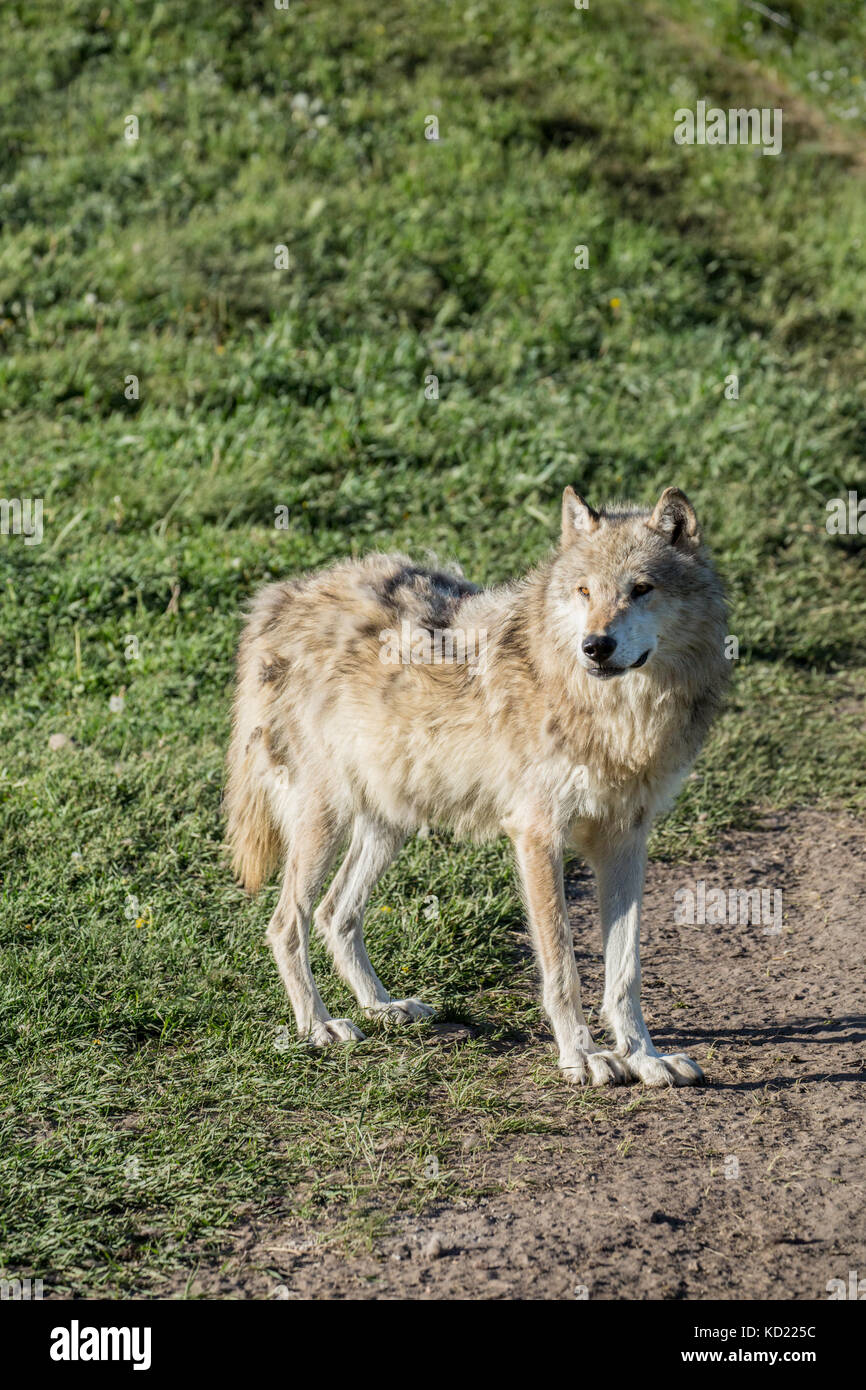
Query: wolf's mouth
pixel 608 672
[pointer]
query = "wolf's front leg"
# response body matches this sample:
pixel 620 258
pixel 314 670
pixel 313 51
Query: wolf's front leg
pixel 619 868
pixel 540 863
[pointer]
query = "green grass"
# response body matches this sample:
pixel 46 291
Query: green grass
pixel 146 1100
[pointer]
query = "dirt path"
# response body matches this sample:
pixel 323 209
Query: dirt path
pixel 752 1186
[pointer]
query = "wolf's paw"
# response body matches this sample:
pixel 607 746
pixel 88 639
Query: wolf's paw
pixel 594 1068
pixel 333 1030
pixel 674 1069
pixel 400 1010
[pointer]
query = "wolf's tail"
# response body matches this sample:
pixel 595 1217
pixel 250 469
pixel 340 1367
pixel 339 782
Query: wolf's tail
pixel 253 836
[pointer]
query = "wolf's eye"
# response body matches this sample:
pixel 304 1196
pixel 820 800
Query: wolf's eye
pixel 640 589
pixel 583 591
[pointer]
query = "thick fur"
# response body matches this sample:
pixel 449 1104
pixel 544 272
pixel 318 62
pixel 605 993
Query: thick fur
pixel 538 740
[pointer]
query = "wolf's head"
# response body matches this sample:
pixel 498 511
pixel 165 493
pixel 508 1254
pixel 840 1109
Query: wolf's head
pixel 635 589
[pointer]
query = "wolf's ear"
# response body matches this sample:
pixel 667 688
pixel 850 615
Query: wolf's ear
pixel 578 517
pixel 674 517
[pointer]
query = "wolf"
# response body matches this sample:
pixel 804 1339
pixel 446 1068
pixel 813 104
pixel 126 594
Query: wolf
pixel 602 671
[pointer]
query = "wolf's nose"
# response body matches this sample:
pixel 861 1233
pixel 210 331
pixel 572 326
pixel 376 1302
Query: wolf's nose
pixel 599 648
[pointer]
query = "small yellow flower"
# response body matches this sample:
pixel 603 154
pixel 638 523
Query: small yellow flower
pixel 615 303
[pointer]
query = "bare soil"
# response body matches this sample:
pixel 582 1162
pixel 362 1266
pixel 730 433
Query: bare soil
pixel 749 1187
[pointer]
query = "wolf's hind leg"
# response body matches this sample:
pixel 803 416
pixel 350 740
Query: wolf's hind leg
pixel 340 919
pixel 313 843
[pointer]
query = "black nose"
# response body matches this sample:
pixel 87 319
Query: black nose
pixel 599 648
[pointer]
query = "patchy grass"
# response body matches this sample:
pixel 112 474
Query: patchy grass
pixel 149 1098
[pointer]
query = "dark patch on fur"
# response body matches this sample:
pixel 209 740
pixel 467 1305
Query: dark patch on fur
pixel 277 606
pixel 514 642
pixel 389 689
pixel 441 593
pixel 280 746
pixel 513 638
pixel 272 671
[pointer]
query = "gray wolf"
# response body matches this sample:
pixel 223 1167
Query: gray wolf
pixel 572 724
